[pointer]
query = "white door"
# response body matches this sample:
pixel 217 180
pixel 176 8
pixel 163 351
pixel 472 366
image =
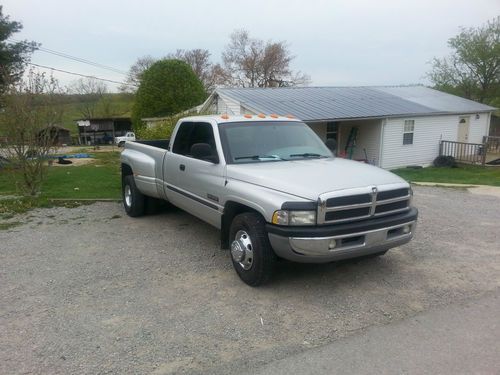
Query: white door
pixel 463 130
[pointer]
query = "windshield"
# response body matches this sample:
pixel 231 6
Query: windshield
pixel 250 142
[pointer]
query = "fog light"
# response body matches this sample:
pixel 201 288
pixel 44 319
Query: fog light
pixel 332 244
pixel 407 229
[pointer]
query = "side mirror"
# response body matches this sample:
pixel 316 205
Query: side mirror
pixel 332 145
pixel 203 151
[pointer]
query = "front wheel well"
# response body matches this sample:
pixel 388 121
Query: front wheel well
pixel 126 170
pixel 231 209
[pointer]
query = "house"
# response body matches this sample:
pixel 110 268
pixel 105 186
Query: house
pixel 395 126
pixel 102 130
pixel 60 136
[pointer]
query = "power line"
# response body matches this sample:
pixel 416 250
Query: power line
pixel 81 75
pixel 74 58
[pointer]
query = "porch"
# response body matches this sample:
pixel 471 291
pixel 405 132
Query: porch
pixel 366 136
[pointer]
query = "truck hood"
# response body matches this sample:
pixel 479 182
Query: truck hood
pixel 311 177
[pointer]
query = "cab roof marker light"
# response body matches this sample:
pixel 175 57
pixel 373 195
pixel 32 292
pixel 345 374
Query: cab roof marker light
pixel 247 116
pixel 261 115
pixel 289 116
pixel 225 116
pixel 273 115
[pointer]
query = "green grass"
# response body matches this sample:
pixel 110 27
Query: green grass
pixel 98 180
pixel 464 174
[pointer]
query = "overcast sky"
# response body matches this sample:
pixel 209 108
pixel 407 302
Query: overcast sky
pixel 366 42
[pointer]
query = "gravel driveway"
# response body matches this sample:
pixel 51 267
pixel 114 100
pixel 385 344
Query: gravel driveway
pixel 90 290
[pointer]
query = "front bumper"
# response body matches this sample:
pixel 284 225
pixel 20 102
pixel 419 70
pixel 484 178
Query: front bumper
pixel 314 244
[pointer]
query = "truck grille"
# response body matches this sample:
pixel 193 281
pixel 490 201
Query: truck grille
pixel 363 203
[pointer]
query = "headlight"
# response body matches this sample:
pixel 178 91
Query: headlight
pixel 284 217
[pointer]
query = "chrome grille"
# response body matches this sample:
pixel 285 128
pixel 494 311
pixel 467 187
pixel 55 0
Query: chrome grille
pixel 363 203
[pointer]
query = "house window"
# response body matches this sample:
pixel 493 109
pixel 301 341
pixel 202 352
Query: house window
pixel 408 131
pixel 332 129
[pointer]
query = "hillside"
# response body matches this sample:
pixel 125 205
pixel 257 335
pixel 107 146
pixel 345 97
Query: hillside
pixel 110 105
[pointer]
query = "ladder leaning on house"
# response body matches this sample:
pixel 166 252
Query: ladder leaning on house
pixel 351 142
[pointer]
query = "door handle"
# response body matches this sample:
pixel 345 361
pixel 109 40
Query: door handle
pixel 182 167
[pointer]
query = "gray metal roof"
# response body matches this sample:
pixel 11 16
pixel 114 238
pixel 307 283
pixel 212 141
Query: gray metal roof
pixel 321 103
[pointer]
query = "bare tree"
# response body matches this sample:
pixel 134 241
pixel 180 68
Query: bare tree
pixel 252 62
pixel 91 94
pixel 30 111
pixel 135 73
pixel 211 75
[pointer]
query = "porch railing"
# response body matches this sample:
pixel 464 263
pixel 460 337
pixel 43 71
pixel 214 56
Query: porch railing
pixel 491 144
pixel 473 153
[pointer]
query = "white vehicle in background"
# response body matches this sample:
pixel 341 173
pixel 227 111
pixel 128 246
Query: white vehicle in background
pixel 129 136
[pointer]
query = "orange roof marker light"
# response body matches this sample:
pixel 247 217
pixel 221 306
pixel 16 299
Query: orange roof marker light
pixel 273 115
pixel 247 116
pixel 225 116
pixel 289 116
pixel 261 115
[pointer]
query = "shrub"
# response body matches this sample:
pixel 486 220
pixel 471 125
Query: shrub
pixel 168 87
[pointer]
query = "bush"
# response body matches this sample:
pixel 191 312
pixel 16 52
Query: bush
pixel 445 161
pixel 162 130
pixel 168 87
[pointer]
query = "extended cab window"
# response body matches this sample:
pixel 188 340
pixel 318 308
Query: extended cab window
pixel 191 133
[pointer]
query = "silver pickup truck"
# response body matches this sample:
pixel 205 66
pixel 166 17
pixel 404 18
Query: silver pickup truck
pixel 273 189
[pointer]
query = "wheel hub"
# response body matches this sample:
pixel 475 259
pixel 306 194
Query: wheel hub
pixel 242 250
pixel 128 196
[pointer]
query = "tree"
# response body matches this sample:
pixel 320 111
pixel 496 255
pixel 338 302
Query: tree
pixel 91 94
pixel 211 75
pixel 31 110
pixel 13 55
pixel 473 68
pixel 167 87
pixel 135 72
pixel 252 62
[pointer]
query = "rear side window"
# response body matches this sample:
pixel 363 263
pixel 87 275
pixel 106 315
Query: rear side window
pixel 190 133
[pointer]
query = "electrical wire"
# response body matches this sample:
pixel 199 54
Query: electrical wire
pixel 74 58
pixel 81 75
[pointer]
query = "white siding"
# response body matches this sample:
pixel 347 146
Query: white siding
pixel 368 139
pixel 227 105
pixel 429 130
pixel 319 128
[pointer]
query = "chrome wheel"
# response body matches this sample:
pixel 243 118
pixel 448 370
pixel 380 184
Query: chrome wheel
pixel 128 196
pixel 242 250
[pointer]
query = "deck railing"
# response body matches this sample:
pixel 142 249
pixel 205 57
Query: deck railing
pixel 491 144
pixel 473 153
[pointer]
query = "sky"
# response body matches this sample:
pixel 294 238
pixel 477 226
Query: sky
pixel 337 43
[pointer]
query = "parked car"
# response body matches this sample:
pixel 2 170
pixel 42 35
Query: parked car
pixel 128 137
pixel 272 188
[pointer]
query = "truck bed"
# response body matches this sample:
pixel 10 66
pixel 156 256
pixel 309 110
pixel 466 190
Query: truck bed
pixel 160 143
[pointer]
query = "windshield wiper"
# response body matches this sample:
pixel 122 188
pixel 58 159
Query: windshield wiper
pixel 259 157
pixel 308 155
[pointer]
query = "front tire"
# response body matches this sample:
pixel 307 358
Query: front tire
pixel 251 253
pixel 133 199
pixel 121 144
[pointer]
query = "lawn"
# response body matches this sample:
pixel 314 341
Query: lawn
pixel 98 180
pixel 464 174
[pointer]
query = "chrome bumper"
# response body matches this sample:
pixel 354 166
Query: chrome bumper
pixel 327 249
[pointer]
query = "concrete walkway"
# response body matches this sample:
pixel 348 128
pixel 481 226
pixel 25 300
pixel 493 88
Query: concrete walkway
pixel 474 189
pixel 454 339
